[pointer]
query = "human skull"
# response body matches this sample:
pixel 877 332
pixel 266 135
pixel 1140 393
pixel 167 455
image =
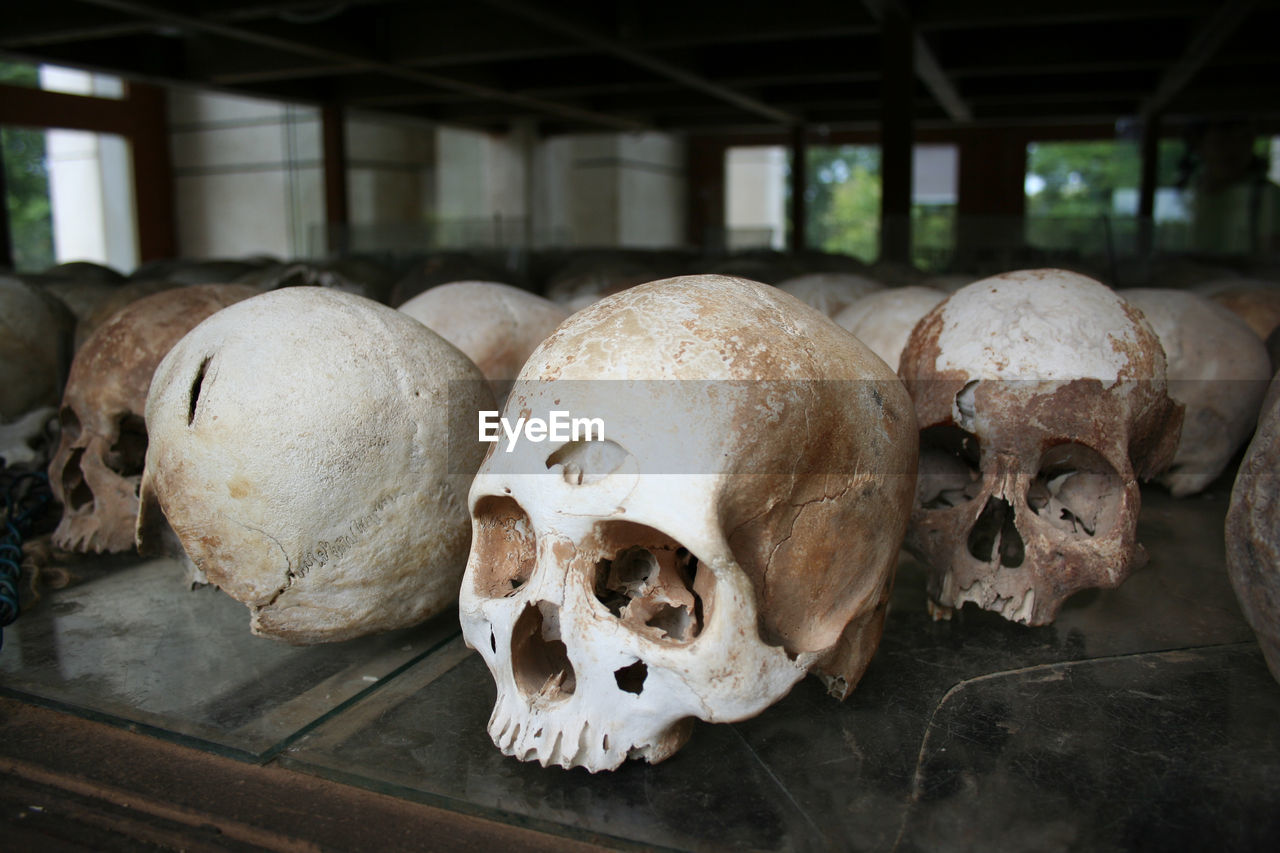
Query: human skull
pixel 353 275
pixel 591 275
pixel 1041 398
pixel 883 320
pixel 830 292
pixel 35 348
pixel 1217 368
pixel 736 525
pixel 1255 301
pixel 121 296
pixel 95 472
pixel 303 452
pixel 441 268
pixel 495 325
pixel 1253 532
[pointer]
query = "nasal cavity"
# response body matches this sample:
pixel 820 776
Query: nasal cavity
pixel 995 534
pixel 539 660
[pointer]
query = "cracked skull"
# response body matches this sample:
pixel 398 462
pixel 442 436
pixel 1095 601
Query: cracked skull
pixel 96 470
pixel 300 451
pixel 1041 399
pixel 733 525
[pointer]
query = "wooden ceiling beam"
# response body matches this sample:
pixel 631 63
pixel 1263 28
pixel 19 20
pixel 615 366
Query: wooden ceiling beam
pixel 1208 38
pixel 648 61
pixel 929 70
pixel 356 62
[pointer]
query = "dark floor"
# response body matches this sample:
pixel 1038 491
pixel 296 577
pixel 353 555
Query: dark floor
pixel 1144 718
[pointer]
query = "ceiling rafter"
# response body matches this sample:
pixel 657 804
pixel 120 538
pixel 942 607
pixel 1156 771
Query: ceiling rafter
pixel 673 65
pixel 644 59
pixel 364 63
pixel 927 68
pixel 1208 39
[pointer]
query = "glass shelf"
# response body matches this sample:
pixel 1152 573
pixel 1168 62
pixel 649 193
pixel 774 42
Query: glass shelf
pixel 129 643
pixel 1143 716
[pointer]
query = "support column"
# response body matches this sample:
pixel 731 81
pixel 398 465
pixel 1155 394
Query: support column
pixel 897 89
pixel 1147 187
pixel 334 141
pixel 991 199
pixel 153 194
pixel 799 180
pixel 704 197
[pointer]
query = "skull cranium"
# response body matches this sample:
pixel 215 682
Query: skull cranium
pixel 97 467
pixel 736 526
pixel 1041 399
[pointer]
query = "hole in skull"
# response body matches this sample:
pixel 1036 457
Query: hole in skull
pixel 503 548
pixel 672 621
pixel 966 408
pixel 75 491
pixel 587 461
pixel 539 660
pixel 994 532
pixel 949 473
pixel 650 586
pixel 628 574
pixel 1076 490
pixel 631 678
pixel 196 385
pixel 69 423
pixel 128 454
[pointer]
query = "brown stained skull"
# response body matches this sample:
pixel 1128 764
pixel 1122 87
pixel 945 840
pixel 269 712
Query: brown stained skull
pixel 98 465
pixel 1041 400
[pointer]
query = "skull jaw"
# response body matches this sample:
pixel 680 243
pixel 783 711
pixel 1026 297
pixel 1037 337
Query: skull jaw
pixel 576 737
pixel 105 526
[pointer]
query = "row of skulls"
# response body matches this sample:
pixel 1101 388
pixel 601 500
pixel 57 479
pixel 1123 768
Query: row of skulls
pixel 738 525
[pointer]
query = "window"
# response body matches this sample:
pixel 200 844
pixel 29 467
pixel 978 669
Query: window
pixel 1082 197
pixel 756 197
pixel 53 78
pixel 68 193
pixel 69 196
pixel 842 200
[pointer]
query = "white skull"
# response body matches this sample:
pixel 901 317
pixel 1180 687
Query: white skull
pixel 301 449
pixel 736 527
pixel 1041 399
pixel 495 325
pixel 883 320
pixel 1217 368
pixel 830 292
pixel 96 470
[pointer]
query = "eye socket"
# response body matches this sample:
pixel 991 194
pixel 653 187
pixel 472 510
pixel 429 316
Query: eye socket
pixel 129 453
pixel 650 582
pixel 69 423
pixel 949 473
pixel 503 546
pixel 1076 490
